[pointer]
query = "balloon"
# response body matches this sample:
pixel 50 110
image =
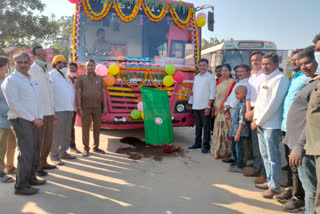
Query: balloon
pixel 114 69
pixel 101 70
pixel 168 80
pixel 178 76
pixel 142 115
pixel 140 106
pixel 135 114
pixel 170 69
pixel 73 1
pixel 202 15
pixel 201 22
pixel 109 80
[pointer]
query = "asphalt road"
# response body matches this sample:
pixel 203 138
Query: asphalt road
pixel 186 182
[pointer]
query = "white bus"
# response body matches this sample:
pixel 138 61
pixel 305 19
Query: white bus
pixel 238 52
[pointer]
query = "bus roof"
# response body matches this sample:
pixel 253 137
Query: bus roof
pixel 178 2
pixel 241 44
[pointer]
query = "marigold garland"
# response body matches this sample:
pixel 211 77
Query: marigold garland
pixel 131 17
pixel 197 40
pixel 187 85
pixel 102 11
pixel 93 18
pixel 154 69
pixel 153 17
pixel 178 18
pixel 74 33
pixel 182 27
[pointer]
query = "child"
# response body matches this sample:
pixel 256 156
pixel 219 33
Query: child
pixel 239 130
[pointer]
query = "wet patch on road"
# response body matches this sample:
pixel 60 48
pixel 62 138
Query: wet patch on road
pixel 139 149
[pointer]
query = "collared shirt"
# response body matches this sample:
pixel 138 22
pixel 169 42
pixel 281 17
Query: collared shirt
pixel 239 118
pixel 91 90
pixel 74 90
pixel 204 89
pixel 296 84
pixel 41 76
pixel 232 100
pixel 268 107
pixel 63 92
pixel 4 108
pixel 23 97
pixel 254 83
pixel 312 146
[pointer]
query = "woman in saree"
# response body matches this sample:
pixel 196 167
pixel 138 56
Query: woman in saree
pixel 220 141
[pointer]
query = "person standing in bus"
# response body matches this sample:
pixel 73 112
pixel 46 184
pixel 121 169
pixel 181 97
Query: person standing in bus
pixel 90 89
pixel 267 121
pixel 254 84
pixel 204 92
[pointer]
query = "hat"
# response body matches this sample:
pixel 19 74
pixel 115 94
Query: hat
pixel 58 58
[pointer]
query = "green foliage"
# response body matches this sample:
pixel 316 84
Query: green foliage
pixel 212 42
pixel 19 25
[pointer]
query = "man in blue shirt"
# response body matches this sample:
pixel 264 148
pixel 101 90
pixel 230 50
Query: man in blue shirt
pixel 293 198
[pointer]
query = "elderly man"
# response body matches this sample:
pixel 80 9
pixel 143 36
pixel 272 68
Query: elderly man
pixel 294 196
pixel 90 89
pixel 312 147
pixel 64 107
pixel 40 73
pixel 25 115
pixel 204 92
pixel 254 84
pixel 267 121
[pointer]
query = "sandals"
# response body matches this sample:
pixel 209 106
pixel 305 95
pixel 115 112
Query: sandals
pixel 6 179
pixel 235 169
pixel 12 171
pixel 100 151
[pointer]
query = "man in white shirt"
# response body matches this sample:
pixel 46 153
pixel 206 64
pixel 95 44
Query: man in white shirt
pixel 267 121
pixel 254 84
pixel 243 73
pixel 25 116
pixel 39 72
pixel 64 97
pixel 204 92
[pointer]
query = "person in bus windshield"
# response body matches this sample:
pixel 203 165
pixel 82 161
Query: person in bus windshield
pixel 101 45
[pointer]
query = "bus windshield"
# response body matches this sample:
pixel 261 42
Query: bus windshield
pixel 139 40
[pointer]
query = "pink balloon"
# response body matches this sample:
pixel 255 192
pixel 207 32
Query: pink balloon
pixel 101 70
pixel 202 15
pixel 178 76
pixel 73 1
pixel 140 106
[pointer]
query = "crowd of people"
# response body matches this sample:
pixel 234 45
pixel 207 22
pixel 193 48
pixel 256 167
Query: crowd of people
pixel 252 115
pixel 38 111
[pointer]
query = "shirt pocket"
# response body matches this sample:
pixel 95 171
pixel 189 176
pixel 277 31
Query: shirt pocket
pixel 315 97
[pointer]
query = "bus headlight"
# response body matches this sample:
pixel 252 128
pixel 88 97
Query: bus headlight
pixel 180 108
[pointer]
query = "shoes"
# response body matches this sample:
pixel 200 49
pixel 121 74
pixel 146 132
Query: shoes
pixel 251 174
pixel 49 166
pixel 293 205
pixel 228 160
pixel 57 161
pixel 26 191
pixel 204 151
pixel 194 147
pixel 41 173
pixel 67 156
pixel 285 196
pixel 260 180
pixel 262 186
pixel 269 193
pixel 100 151
pixel 12 171
pixel 233 164
pixel 85 153
pixel 75 150
pixel 37 182
pixel 235 169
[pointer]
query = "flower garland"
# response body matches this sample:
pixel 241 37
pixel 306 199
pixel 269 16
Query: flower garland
pixel 154 69
pixel 176 21
pixel 76 30
pixel 131 17
pixel 197 40
pixel 187 85
pixel 97 14
pixel 177 16
pixel 74 33
pixel 103 13
pixel 153 17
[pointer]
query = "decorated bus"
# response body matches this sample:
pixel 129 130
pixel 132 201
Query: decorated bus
pixel 139 43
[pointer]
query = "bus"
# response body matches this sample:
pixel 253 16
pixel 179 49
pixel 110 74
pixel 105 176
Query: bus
pixel 141 37
pixel 238 52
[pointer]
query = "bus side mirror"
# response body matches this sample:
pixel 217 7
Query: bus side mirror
pixel 210 21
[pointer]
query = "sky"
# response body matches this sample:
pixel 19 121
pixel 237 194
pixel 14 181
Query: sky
pixel 290 24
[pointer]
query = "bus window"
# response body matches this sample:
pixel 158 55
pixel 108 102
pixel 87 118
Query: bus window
pixel 236 57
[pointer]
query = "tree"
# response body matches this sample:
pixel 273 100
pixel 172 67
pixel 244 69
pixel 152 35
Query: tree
pixel 19 26
pixel 212 42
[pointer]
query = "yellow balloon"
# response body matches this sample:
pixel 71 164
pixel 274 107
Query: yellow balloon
pixel 168 80
pixel 142 115
pixel 201 21
pixel 114 69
